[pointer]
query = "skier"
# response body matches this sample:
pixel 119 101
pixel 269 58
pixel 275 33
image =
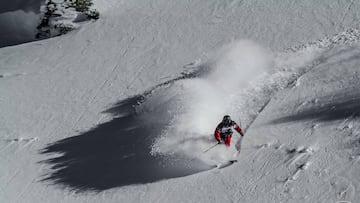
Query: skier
pixel 223 131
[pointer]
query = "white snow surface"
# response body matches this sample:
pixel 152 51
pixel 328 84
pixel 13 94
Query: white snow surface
pixel 122 109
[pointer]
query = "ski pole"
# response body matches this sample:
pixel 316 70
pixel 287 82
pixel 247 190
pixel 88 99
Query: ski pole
pixel 211 147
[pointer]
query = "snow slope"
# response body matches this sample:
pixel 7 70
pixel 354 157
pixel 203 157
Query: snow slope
pixel 309 139
pixel 81 113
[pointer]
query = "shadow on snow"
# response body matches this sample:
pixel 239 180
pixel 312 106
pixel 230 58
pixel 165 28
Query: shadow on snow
pixel 117 153
pixel 330 108
pixel 338 105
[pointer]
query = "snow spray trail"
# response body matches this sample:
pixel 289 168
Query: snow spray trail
pixel 117 153
pixel 199 103
pixel 151 135
pixel 239 79
pixel 163 132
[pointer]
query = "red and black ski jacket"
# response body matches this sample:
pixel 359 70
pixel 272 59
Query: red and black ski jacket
pixel 225 129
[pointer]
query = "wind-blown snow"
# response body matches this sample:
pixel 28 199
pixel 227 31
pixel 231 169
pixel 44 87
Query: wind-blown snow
pixel 202 102
pixel 144 75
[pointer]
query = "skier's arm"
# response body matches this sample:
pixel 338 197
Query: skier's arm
pixel 238 129
pixel 217 135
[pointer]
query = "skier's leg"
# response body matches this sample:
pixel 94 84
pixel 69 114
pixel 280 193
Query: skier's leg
pixel 227 141
pixel 217 135
pixel 223 138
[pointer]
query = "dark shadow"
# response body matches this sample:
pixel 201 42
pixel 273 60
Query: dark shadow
pixel 338 105
pixel 117 153
pixel 329 108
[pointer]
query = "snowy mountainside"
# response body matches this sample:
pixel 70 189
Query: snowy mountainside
pixel 308 137
pixel 103 108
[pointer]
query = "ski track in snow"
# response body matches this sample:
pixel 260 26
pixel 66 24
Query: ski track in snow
pixel 331 108
pixel 10 75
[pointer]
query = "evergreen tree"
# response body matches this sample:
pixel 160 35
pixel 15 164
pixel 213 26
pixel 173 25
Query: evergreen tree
pixel 49 25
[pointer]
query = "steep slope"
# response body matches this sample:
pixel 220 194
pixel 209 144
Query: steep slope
pixel 59 88
pixel 307 137
pixel 302 147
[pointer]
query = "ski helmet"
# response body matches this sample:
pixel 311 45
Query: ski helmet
pixel 227 119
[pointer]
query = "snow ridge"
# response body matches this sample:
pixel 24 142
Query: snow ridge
pixel 347 37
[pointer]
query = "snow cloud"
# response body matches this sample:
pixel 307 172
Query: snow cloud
pixel 232 69
pixel 201 102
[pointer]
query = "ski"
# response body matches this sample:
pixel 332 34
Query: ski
pixel 226 164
